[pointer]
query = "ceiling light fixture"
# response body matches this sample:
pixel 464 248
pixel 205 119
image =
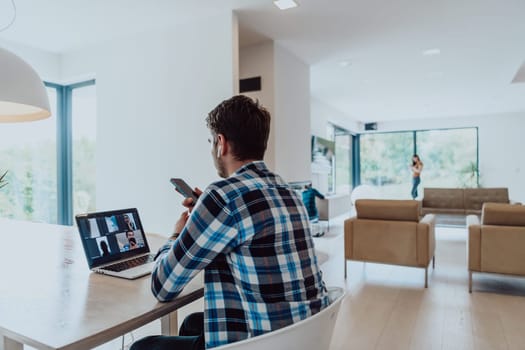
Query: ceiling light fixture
pixel 344 63
pixel 431 52
pixel 23 96
pixel 285 4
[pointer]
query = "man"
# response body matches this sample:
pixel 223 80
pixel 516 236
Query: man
pixel 250 233
pixel 129 235
pixel 309 195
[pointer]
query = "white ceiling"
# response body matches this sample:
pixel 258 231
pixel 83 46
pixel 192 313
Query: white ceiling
pixel 387 78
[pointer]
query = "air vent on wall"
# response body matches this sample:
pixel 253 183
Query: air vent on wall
pixel 250 84
pixel 370 126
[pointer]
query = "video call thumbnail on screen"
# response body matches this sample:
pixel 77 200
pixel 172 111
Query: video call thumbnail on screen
pixel 107 235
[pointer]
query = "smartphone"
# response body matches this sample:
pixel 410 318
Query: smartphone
pixel 183 188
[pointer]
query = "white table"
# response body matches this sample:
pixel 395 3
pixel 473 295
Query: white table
pixel 333 206
pixel 50 300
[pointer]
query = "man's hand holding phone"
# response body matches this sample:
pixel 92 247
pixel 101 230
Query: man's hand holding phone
pixel 190 198
pixel 189 202
pixel 190 195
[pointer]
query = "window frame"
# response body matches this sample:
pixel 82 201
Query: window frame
pixel 65 148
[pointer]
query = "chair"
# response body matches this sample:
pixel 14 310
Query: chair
pixel 497 243
pixel 315 332
pixel 390 232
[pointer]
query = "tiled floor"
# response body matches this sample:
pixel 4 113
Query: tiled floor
pixel 387 307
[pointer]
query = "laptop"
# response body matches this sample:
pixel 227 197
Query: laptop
pixel 115 244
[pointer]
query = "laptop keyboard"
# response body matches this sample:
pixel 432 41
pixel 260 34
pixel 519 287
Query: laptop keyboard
pixel 128 264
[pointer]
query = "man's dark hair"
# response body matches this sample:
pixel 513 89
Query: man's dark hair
pixel 244 123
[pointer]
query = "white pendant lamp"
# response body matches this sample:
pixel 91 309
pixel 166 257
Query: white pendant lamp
pixel 23 96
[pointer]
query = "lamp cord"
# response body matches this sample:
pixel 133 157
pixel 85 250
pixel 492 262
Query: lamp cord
pixel 12 20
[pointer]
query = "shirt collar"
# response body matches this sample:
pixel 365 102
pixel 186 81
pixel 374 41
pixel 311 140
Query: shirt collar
pixel 255 165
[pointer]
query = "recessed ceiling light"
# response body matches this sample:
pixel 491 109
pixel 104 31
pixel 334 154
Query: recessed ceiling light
pixel 431 52
pixel 344 63
pixel 285 4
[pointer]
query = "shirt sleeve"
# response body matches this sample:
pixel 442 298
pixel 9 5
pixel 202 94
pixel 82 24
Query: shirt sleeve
pixel 211 229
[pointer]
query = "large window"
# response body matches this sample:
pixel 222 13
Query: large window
pixel 385 160
pixel 343 161
pixel 450 159
pixel 37 156
pixel 84 129
pixel 28 153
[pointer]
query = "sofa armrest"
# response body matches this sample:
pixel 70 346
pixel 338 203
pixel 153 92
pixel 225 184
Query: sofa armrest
pixel 474 243
pixel 349 237
pixel 426 239
pixel 429 219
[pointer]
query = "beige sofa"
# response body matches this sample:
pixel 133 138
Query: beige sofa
pixel 460 201
pixel 390 232
pixel 497 243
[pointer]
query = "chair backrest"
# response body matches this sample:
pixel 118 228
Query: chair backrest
pixel 503 214
pixel 475 197
pixel 315 332
pixel 388 209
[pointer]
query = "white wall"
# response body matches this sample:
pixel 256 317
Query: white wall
pixel 292 122
pixel 285 92
pixel 501 141
pixel 322 114
pixel 154 91
pixel 258 61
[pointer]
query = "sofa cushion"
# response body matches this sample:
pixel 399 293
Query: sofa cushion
pixel 503 214
pixel 382 209
pixel 503 250
pixel 475 197
pixel 448 198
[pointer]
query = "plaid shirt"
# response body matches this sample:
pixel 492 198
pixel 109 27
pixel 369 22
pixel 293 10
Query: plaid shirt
pixel 251 235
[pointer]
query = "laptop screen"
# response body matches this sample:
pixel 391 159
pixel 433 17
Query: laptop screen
pixel 111 235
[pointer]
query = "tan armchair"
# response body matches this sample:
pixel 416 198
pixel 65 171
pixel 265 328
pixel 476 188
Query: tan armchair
pixel 497 243
pixel 390 232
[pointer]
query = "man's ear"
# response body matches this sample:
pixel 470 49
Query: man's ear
pixel 221 144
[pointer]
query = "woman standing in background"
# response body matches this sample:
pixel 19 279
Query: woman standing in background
pixel 417 167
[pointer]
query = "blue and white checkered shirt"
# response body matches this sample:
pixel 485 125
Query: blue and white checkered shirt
pixel 251 235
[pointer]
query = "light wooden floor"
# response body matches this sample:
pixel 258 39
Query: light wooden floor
pixel 387 307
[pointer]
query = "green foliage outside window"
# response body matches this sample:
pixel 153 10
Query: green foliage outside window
pixel 32 191
pixel 449 157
